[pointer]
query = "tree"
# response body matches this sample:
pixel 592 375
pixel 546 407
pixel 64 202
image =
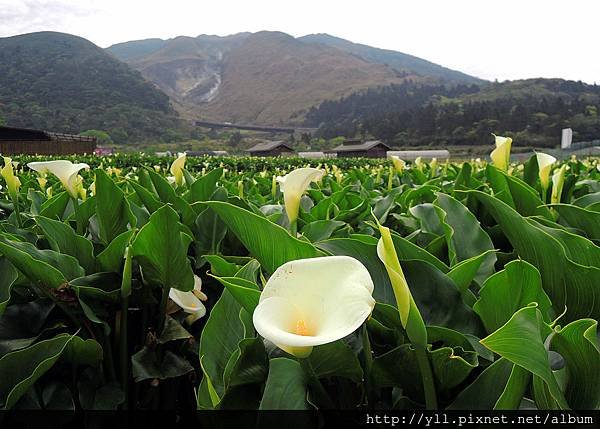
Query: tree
pixel 102 137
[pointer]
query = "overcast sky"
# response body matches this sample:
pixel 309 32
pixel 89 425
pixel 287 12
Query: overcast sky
pixel 492 39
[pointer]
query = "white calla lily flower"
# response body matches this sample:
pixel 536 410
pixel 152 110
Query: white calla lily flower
pixel 190 302
pixel 177 169
pixel 8 174
pixel 545 162
pixel 65 171
pixel 501 155
pixel 293 186
pixel 399 164
pixel 309 302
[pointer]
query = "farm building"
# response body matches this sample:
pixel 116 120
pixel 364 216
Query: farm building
pixel 276 148
pixel 355 149
pixel 200 153
pixel 411 155
pixel 28 141
pixel 315 155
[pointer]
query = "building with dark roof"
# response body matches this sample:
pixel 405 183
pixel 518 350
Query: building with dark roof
pixel 276 148
pixel 39 142
pixel 355 149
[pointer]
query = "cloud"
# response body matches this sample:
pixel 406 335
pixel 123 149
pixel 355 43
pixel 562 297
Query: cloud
pixel 26 16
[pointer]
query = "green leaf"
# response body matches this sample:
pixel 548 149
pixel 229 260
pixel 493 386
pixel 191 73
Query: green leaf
pixel 149 364
pixel 438 299
pixel 22 368
pixel 487 388
pixel 8 276
pixel 521 341
pixel 509 290
pixel 452 365
pixel 205 186
pixel 246 293
pixel 464 236
pixel 272 245
pixel 578 344
pixel 173 331
pixel 112 208
pixel 112 257
pixel 55 207
pixel 321 229
pixel 336 360
pixel 251 364
pixel 568 263
pixel 46 267
pixel 62 238
pixel 582 219
pixel 83 352
pixel 161 249
pixel 98 286
pixel 209 229
pixel 286 386
pixel 516 193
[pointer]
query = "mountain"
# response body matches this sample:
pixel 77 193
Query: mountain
pixel 65 83
pixel 268 77
pixel 531 111
pixel 396 60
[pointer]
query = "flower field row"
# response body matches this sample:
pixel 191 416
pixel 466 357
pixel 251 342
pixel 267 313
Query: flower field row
pixel 138 282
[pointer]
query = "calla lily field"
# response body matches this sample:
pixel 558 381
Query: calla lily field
pixel 138 282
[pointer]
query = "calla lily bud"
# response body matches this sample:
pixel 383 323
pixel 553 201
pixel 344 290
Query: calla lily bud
pixel 558 181
pixel 65 171
pixel 501 155
pixel 12 182
pixel 310 302
pixel 545 162
pixel 398 164
pixel 419 163
pixel 433 167
pixel 410 317
pixel 293 186
pixel 177 169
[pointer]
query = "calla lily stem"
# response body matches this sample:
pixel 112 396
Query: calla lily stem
pixel 77 213
pixel 427 377
pixel 17 211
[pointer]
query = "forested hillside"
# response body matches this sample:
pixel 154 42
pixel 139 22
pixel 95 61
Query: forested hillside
pixel 533 111
pixel 64 83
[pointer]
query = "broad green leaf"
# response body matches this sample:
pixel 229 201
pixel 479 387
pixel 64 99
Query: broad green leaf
pixel 582 219
pixel 509 290
pixel 55 207
pixel 161 249
pixel 269 243
pixel 149 364
pixel 112 208
pixel 321 229
pixel 567 270
pixel 452 365
pixel 464 236
pixel 286 386
pixel 336 360
pixel 251 364
pixel 483 393
pixel 112 257
pixel 48 268
pixel 22 368
pixel 205 186
pixel 578 344
pixel 521 341
pixel 8 276
pixel 62 238
pixel 209 229
pixel 246 293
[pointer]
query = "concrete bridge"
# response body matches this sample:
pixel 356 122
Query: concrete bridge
pixel 250 127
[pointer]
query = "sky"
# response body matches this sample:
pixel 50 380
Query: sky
pixel 491 39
